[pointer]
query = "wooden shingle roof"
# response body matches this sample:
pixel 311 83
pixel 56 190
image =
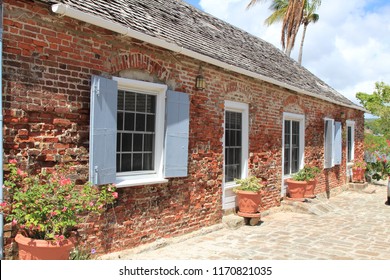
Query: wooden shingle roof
pixel 177 22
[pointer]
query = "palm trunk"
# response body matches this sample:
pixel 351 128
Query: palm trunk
pixel 301 48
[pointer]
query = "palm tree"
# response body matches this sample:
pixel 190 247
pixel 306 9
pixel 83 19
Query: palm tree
pixel 309 15
pixel 293 13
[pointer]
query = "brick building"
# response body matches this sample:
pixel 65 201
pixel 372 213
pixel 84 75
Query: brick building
pixel 110 86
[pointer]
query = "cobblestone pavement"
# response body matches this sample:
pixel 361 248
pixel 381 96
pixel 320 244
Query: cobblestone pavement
pixel 352 225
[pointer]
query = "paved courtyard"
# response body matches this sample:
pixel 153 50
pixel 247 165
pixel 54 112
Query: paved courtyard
pixel 352 225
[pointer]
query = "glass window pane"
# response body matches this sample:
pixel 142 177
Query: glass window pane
pixel 137 162
pixel 129 121
pixel 150 104
pixel 118 142
pixel 121 96
pixel 148 145
pixel 127 142
pixel 150 123
pixel 148 161
pixel 126 162
pixel 118 163
pixel 140 122
pixel 130 101
pixel 138 143
pixel 119 119
pixel 141 103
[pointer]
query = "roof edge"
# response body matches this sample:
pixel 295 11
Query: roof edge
pixel 66 10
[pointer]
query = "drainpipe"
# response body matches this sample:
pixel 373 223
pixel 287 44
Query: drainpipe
pixel 1 129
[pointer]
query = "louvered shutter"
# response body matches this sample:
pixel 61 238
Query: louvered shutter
pixel 103 130
pixel 337 145
pixel 328 146
pixel 176 134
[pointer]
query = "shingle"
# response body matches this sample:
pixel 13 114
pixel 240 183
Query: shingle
pixel 178 22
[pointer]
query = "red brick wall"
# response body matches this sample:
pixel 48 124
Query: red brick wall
pixel 47 65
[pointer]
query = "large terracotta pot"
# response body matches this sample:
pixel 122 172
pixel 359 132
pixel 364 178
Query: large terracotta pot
pixel 35 249
pixel 310 186
pixel 248 202
pixel 296 189
pixel 358 174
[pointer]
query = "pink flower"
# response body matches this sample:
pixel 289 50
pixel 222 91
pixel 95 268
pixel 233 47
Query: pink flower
pixel 64 209
pixel 14 222
pixel 53 213
pixel 21 173
pixel 13 161
pixel 91 204
pixel 62 237
pixel 115 194
pixel 109 189
pixel 3 204
pixel 65 181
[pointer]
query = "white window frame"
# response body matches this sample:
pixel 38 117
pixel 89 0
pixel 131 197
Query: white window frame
pixel 244 109
pixel 301 119
pixel 352 125
pixel 125 179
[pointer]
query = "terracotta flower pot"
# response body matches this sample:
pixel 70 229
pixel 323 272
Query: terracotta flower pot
pixel 310 186
pixel 296 189
pixel 358 174
pixel 35 249
pixel 248 202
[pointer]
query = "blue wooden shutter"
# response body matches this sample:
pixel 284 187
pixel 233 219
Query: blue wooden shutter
pixel 103 130
pixel 176 134
pixel 328 146
pixel 337 143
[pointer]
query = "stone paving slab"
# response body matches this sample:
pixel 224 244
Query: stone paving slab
pixel 354 225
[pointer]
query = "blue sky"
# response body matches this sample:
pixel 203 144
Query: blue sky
pixel 348 48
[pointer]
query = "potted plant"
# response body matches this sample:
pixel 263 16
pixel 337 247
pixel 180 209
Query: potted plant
pixel 358 171
pixel 311 173
pixel 46 207
pixel 248 194
pixel 296 185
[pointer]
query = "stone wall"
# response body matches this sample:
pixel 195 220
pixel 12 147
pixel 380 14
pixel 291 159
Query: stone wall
pixel 47 66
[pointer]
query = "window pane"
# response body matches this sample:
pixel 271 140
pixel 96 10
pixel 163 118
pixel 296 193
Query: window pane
pixel 150 123
pixel 140 122
pixel 121 96
pixel 148 161
pixel 127 142
pixel 141 103
pixel 126 162
pixel 151 104
pixel 130 101
pixel 129 121
pixel 119 121
pixel 138 142
pixel 137 162
pixel 148 145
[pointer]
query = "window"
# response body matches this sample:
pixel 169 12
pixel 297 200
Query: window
pixel 136 118
pixel 350 140
pixel 333 143
pixel 140 123
pixel 138 132
pixel 233 145
pixel 293 143
pixel 236 141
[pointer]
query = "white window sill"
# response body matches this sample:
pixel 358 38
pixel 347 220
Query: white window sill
pixel 128 181
pixel 230 185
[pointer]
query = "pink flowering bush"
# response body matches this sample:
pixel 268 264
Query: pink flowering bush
pixel 48 205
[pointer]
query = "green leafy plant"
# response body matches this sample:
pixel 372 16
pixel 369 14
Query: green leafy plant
pixel 379 170
pixel 307 173
pixel 48 205
pixel 251 183
pixel 359 165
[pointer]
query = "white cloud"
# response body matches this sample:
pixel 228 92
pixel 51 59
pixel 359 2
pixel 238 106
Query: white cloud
pixel 348 48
